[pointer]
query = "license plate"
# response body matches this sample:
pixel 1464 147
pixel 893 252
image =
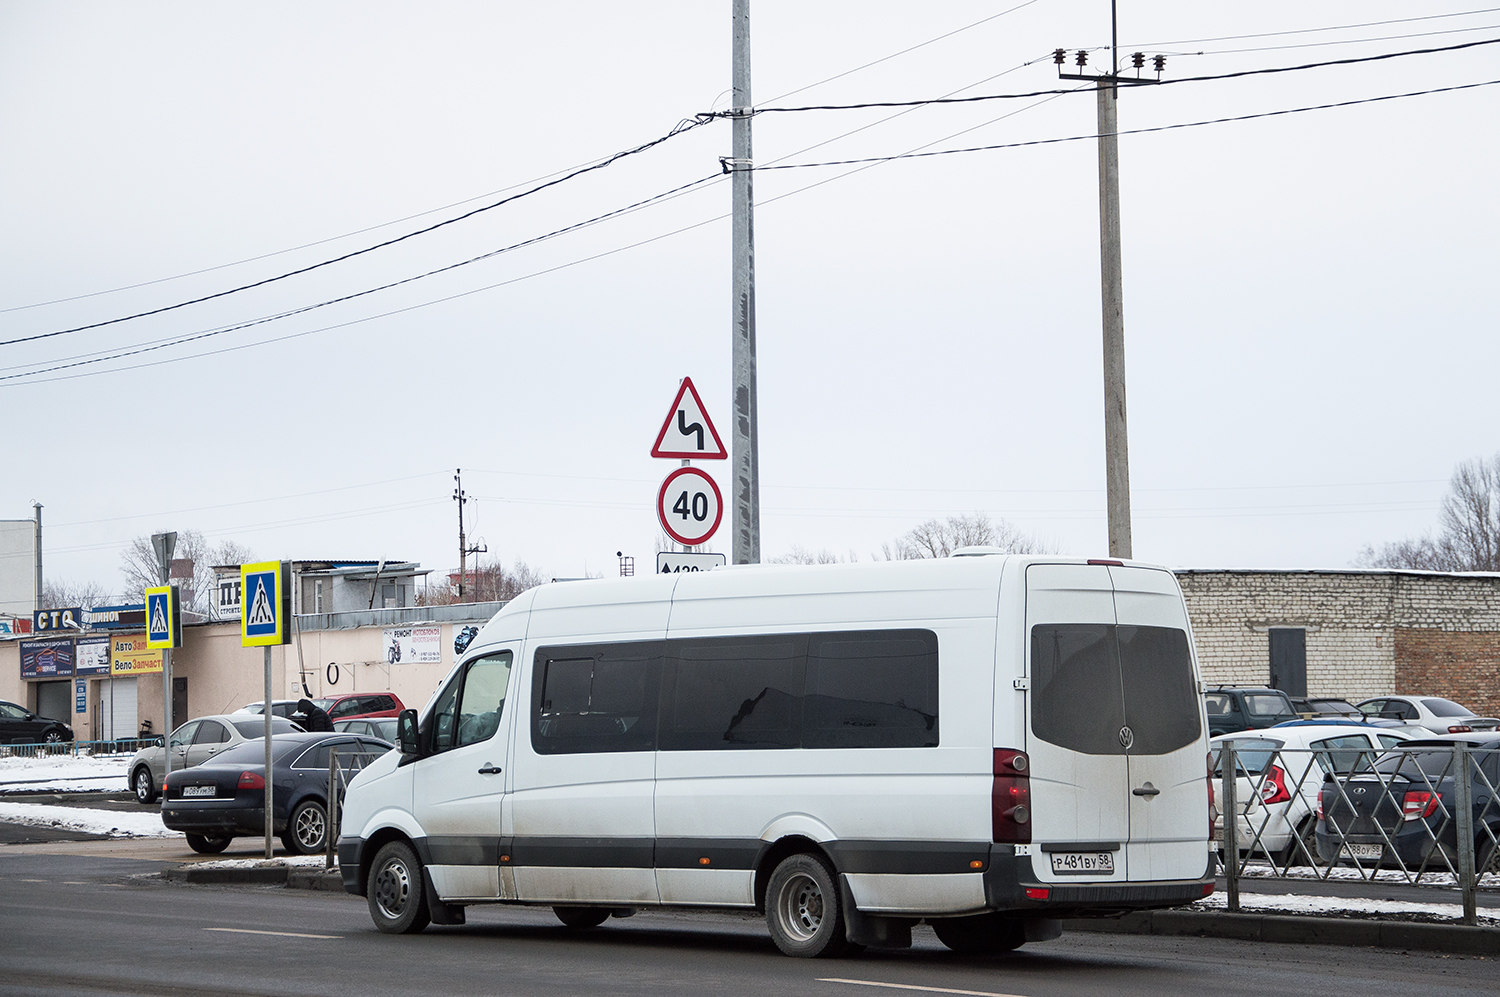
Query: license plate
pixel 197 790
pixel 1364 851
pixel 1082 863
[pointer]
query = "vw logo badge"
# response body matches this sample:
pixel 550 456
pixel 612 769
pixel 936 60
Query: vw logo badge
pixel 1127 737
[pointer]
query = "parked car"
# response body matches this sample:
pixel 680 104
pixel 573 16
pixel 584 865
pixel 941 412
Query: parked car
pixel 1280 774
pixel 1440 716
pixel 360 704
pixel 1403 809
pixel 381 727
pixel 1319 708
pixel 226 798
pixel 18 725
pixel 1230 710
pixel 194 743
pixel 280 707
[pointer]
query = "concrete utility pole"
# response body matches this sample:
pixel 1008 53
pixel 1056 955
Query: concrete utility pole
pixel 744 448
pixel 464 550
pixel 1116 439
pixel 36 599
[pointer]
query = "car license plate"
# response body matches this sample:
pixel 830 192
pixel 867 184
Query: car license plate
pixel 1083 863
pixel 197 790
pixel 1364 851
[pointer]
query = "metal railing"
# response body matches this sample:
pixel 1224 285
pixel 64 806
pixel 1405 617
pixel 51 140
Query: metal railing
pixel 339 776
pixel 119 746
pixel 1432 820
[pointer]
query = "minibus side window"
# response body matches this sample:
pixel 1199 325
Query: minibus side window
pixel 734 692
pixel 1075 682
pixel 596 698
pixel 872 689
pixel 1161 698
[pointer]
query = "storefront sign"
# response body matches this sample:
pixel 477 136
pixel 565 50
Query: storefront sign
pixel 57 619
pixel 129 655
pixel 47 659
pixel 91 656
pixel 132 615
pixel 80 695
pixel 420 645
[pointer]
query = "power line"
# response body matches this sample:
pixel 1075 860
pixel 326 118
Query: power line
pixel 683 126
pixel 1131 131
pixel 1266 71
pixel 1306 31
pixel 1340 41
pixel 265 319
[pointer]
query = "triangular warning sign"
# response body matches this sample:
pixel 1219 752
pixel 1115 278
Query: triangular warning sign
pixel 689 432
pixel 158 616
pixel 261 614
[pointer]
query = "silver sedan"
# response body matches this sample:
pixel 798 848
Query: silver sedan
pixel 194 743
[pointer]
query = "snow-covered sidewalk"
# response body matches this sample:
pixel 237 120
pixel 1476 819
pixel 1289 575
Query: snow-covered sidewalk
pixel 64 773
pixel 115 823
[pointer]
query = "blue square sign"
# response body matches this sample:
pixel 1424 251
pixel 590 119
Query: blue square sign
pixel 263 604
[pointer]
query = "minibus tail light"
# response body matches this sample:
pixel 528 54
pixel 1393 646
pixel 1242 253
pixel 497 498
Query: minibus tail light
pixel 1213 805
pixel 1010 797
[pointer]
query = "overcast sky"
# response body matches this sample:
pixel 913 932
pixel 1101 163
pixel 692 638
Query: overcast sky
pixel 1310 315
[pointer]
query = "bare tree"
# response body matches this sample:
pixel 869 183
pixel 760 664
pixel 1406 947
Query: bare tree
pixel 487 581
pixel 1470 537
pixel 138 565
pixel 60 595
pixel 940 538
pixel 801 555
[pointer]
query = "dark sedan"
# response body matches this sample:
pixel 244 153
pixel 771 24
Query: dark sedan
pixel 226 798
pixel 1403 810
pixel 19 725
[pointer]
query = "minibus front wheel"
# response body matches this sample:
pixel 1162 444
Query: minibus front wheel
pixel 803 909
pixel 398 901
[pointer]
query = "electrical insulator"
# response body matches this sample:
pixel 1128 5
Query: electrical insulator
pixel 1138 60
pixel 1083 58
pixel 1160 62
pixel 1059 56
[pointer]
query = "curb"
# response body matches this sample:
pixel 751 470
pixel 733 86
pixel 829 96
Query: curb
pixel 274 875
pixel 1459 939
pixel 315 879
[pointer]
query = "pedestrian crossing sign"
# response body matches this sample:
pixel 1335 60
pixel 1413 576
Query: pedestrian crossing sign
pixel 163 617
pixel 265 604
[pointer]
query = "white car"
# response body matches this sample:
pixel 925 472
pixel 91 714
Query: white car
pixel 194 743
pixel 1281 772
pixel 1438 715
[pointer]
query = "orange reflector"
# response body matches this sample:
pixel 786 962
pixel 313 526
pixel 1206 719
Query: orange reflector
pixel 703 861
pixel 1037 893
pixel 976 864
pixel 1208 889
pixel 505 858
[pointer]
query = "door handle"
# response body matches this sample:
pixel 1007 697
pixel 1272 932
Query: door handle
pixel 1147 790
pixel 489 769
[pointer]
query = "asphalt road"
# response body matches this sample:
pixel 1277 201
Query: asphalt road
pixel 92 918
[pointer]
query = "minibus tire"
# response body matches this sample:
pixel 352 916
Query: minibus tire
pixel 803 909
pixel 982 934
pixel 582 917
pixel 396 893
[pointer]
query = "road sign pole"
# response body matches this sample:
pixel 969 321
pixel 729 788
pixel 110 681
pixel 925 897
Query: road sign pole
pixel 268 714
pixel 163 544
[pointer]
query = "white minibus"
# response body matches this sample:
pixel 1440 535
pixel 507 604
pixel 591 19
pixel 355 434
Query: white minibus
pixel 986 742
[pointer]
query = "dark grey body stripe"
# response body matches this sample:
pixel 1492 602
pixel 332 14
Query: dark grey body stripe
pixel 901 857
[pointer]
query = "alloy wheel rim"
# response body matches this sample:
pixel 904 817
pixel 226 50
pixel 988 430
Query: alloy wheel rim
pixel 310 827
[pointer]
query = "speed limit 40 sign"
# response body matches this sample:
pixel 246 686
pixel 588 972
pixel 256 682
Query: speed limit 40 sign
pixel 689 506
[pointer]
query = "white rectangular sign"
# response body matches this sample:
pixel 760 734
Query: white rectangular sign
pixel 671 564
pixel 421 644
pixel 227 594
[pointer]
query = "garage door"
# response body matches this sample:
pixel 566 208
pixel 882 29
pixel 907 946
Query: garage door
pixel 119 712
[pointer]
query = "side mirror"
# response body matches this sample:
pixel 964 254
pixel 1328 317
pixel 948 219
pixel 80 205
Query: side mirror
pixel 406 733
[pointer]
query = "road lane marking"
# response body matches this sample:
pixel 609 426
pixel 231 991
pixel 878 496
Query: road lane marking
pixel 281 934
pixel 913 986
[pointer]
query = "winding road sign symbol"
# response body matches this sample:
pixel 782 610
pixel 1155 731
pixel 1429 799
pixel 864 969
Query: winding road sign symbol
pixel 688 432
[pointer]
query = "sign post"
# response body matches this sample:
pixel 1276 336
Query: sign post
pixel 266 608
pixel 163 544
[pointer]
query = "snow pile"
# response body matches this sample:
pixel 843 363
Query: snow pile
pixel 115 823
pixel 1350 874
pixel 295 861
pixel 1286 903
pixel 64 773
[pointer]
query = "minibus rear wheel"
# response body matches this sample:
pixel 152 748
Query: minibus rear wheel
pixel 803 909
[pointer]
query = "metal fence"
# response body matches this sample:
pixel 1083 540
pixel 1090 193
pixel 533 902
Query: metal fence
pixel 342 767
pixel 120 746
pixel 1428 815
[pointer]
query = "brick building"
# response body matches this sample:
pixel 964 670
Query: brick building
pixel 1350 633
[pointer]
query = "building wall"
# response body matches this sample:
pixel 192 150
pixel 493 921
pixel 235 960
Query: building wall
pixel 1368 632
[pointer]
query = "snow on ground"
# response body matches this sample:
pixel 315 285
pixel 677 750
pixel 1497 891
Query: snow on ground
pixel 116 823
pixel 1346 874
pixel 64 773
pixel 296 861
pixel 1287 903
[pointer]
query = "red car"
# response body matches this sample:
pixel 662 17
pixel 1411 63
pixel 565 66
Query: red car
pixel 360 704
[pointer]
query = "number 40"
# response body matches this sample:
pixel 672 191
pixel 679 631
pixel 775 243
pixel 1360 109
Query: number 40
pixel 699 508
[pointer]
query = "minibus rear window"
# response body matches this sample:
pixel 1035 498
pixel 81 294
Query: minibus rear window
pixel 1161 698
